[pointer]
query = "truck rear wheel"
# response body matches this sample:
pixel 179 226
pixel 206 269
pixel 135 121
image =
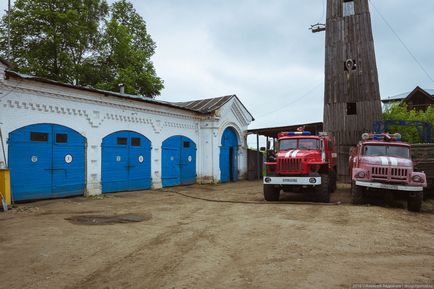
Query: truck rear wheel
pixel 357 194
pixel 323 190
pixel 271 193
pixel 414 203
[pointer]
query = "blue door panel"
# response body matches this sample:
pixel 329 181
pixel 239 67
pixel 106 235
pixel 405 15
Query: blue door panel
pixel 178 161
pixel 40 168
pixel 229 156
pixel 224 164
pixel 170 162
pixel 188 161
pixel 68 171
pixel 139 162
pixel 126 162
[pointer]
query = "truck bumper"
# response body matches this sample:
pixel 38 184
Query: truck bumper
pixel 304 181
pixel 388 186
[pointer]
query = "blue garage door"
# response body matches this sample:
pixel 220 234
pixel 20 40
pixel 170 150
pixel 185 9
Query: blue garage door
pixel 46 161
pixel 126 162
pixel 178 158
pixel 229 156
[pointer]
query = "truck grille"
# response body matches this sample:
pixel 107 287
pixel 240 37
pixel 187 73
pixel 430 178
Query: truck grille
pixel 398 174
pixel 290 165
pixel 384 173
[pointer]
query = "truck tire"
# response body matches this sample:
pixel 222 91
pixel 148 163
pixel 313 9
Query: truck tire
pixel 414 203
pixel 323 190
pixel 357 194
pixel 271 193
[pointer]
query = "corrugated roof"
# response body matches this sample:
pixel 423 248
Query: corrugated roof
pixel 314 127
pixel 210 105
pixel 206 105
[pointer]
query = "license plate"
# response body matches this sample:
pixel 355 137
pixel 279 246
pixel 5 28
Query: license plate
pixel 289 180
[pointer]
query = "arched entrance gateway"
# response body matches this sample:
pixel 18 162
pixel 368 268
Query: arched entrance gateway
pixel 46 161
pixel 126 162
pixel 178 161
pixel 229 156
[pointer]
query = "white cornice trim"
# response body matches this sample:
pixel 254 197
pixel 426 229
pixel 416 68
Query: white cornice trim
pixel 116 104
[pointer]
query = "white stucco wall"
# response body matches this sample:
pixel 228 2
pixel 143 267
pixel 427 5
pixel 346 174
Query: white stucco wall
pixel 94 115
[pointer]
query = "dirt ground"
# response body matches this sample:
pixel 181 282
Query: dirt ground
pixel 182 242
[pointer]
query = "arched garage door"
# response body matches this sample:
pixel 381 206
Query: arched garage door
pixel 126 162
pixel 46 161
pixel 229 156
pixel 178 158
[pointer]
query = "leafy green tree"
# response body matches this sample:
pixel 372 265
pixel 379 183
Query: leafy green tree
pixel 83 42
pixel 126 52
pixel 53 38
pixel 400 112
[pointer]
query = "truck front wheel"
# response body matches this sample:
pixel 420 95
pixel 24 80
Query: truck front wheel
pixel 323 190
pixel 414 201
pixel 357 194
pixel 271 193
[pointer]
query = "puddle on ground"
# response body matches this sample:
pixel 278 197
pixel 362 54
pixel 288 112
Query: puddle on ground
pixel 108 219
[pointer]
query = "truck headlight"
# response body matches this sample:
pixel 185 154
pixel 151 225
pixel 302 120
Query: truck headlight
pixel 361 174
pixel 267 180
pixel 417 179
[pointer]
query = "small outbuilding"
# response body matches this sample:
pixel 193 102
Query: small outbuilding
pixel 418 99
pixel 65 140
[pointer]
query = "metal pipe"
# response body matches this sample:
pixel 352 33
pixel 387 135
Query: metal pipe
pixel 3 147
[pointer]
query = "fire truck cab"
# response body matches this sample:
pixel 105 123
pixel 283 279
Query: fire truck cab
pixel 302 161
pixel 382 164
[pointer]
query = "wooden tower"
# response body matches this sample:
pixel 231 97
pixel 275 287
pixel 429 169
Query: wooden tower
pixel 352 96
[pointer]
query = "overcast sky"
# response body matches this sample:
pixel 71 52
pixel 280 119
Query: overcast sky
pixel 263 52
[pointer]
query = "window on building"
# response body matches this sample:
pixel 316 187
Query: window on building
pixel 38 136
pixel 348 8
pixel 186 144
pixel 135 142
pixel 351 108
pixel 122 141
pixel 61 138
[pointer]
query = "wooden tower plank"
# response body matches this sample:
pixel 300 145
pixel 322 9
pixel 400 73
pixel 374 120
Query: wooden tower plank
pixel 349 37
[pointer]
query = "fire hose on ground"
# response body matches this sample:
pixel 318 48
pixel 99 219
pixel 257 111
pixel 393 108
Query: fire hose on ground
pixel 250 202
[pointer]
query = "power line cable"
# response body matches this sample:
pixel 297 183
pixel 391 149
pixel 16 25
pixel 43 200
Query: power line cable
pixel 323 11
pixel 402 42
pixel 292 102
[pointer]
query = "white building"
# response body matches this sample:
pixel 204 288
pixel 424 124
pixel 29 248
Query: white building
pixel 63 140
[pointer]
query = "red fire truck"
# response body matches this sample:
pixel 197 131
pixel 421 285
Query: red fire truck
pixel 303 163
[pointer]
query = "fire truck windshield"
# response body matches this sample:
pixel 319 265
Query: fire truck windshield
pixel 391 151
pixel 301 143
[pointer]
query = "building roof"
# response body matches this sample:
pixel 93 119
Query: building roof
pixel 203 106
pixel 209 105
pixel 402 96
pixel 314 127
pixel 206 105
